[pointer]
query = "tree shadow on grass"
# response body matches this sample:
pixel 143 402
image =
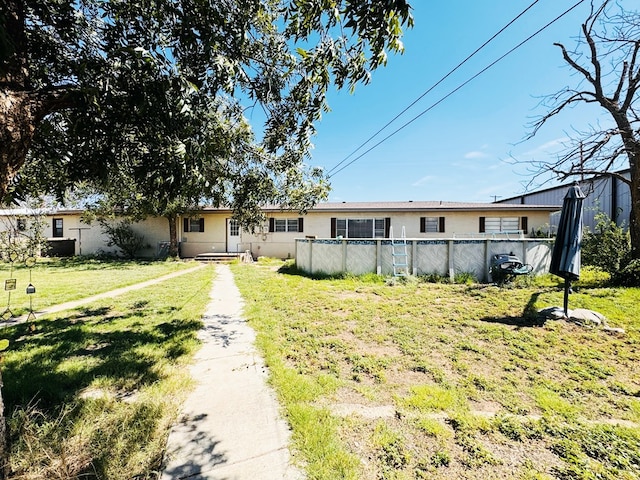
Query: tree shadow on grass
pixel 529 317
pixel 62 357
pixel 291 269
pixel 87 263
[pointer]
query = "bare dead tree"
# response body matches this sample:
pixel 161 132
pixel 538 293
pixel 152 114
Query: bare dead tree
pixel 606 61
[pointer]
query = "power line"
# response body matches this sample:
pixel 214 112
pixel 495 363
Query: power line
pixel 432 106
pixel 434 85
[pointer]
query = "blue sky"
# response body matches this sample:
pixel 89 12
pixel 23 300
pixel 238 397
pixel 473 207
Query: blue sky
pixel 461 149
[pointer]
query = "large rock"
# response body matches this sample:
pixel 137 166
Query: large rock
pixel 552 313
pixel 614 330
pixel 587 317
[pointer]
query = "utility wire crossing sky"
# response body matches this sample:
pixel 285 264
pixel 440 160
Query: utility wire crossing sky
pixel 463 150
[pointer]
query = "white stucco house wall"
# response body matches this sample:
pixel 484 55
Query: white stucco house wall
pixel 213 230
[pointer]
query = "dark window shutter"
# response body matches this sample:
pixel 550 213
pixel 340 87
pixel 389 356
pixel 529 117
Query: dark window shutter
pixel 387 226
pixel 300 224
pixel 272 224
pixel 202 224
pixel 423 224
pixel 185 224
pixel 482 230
pixel 441 225
pixel 333 228
pixel 524 224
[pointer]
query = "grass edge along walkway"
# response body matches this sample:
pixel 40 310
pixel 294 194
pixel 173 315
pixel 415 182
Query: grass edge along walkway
pixel 110 294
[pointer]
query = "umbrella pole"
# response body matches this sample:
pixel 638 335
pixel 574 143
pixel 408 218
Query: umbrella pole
pixel 567 287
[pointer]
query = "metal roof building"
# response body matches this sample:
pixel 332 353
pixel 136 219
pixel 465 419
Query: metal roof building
pixel 605 194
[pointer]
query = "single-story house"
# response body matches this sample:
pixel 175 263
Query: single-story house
pixel 213 230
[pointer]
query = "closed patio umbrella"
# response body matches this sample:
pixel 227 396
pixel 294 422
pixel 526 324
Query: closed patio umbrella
pixel 565 259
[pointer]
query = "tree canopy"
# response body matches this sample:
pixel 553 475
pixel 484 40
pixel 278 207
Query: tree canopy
pixel 148 100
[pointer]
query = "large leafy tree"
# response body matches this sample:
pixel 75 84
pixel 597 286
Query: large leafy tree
pixel 607 67
pixel 145 101
pixel 150 97
pixel 206 152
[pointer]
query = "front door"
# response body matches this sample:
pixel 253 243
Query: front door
pixel 233 236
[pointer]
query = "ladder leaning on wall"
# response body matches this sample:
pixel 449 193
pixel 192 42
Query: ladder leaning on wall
pixel 399 254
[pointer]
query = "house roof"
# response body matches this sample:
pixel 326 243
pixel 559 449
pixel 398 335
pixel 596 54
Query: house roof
pixel 591 179
pixel 412 206
pixel 408 206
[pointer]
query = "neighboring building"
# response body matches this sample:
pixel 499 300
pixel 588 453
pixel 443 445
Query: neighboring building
pixel 214 229
pixel 604 193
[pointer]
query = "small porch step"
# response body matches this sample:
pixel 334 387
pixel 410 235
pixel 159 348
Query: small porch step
pixel 219 257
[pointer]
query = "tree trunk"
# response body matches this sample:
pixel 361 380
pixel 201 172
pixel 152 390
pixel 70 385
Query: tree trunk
pixel 631 142
pixel 634 216
pixel 17 124
pixel 173 235
pixel 22 107
pixel 17 127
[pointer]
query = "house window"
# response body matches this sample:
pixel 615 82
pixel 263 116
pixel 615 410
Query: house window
pixel 379 228
pixel 360 227
pixel 57 227
pixel 499 224
pixel 194 225
pixel 431 224
pixel 285 225
pixel 234 228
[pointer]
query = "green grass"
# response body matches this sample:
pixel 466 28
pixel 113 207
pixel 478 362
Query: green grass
pixel 479 388
pixel 62 280
pixel 91 393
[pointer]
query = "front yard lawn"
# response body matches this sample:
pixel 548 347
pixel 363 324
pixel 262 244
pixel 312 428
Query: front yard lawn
pixel 425 380
pixel 61 280
pixel 91 393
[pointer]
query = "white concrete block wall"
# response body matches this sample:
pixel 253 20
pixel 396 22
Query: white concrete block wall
pixel 360 256
pixel 446 258
pixel 469 256
pixel 432 257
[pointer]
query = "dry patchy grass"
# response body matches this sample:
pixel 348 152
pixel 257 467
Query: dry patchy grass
pixel 91 393
pixel 423 380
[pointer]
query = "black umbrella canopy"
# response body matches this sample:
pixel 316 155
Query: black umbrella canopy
pixel 565 259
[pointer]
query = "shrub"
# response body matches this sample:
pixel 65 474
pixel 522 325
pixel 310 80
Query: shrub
pixel 607 247
pixel 629 276
pixel 122 235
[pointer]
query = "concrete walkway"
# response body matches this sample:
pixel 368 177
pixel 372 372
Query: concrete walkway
pixel 230 427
